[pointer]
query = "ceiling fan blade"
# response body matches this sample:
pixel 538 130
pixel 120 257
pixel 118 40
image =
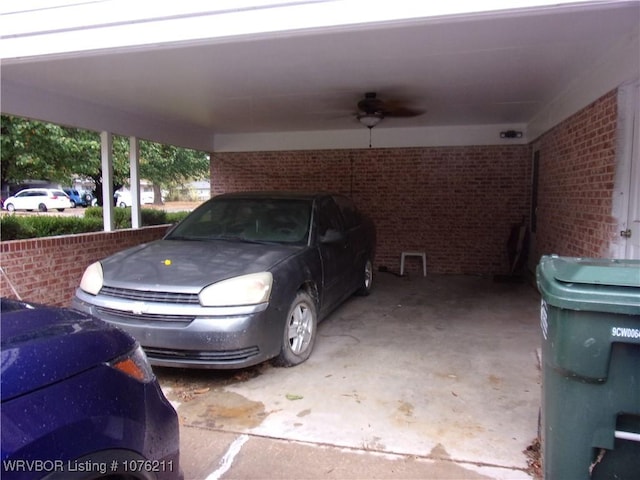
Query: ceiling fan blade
pixel 372 105
pixel 403 112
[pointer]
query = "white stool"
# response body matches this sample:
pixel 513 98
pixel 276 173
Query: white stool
pixel 414 254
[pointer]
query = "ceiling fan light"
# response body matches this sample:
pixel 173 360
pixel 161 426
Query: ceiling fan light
pixel 370 120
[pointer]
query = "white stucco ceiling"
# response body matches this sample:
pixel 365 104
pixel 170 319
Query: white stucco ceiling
pixel 465 69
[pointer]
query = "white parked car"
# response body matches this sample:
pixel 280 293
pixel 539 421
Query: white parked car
pixel 123 198
pixel 41 199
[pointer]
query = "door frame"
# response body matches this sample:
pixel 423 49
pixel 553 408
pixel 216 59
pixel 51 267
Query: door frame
pixel 626 199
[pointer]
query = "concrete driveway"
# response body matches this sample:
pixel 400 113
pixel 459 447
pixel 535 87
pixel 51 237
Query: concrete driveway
pixel 432 377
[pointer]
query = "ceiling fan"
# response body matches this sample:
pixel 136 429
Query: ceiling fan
pixel 371 110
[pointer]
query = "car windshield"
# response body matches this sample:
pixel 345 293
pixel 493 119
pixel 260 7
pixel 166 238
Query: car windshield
pixel 248 219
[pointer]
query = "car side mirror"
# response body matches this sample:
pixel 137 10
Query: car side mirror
pixel 332 236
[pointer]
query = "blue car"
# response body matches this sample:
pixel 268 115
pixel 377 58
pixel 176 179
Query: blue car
pixel 78 199
pixel 80 401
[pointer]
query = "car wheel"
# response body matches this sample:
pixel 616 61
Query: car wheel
pixel 42 207
pixel 10 207
pixel 73 204
pixel 122 205
pixel 367 279
pixel 299 331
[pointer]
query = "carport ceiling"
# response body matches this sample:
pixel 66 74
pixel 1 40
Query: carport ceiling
pixel 467 69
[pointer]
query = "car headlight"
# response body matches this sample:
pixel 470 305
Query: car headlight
pixel 245 290
pixel 92 279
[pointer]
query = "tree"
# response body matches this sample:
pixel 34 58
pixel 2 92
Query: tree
pixel 167 166
pixel 37 150
pixel 33 150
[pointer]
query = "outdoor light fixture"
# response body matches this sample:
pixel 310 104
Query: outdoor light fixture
pixel 510 134
pixel 370 120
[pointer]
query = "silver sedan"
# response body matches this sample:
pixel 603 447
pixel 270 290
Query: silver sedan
pixel 244 278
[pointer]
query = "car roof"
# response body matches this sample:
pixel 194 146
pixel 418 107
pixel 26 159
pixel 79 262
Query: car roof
pixel 294 195
pixel 38 189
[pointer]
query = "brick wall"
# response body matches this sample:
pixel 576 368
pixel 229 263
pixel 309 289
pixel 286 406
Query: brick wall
pixel 576 181
pixel 48 270
pixel 455 203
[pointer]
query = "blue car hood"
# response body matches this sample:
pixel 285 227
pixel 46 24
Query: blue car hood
pixel 43 345
pixel 190 265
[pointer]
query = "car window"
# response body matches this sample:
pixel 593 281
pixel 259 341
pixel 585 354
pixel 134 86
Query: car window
pixel 59 193
pixel 248 219
pixel 350 214
pixel 329 216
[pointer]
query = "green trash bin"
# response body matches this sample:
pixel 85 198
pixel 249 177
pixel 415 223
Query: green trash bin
pixel 590 322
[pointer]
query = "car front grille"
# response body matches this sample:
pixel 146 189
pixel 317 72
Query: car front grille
pixel 120 315
pixel 224 356
pixel 151 296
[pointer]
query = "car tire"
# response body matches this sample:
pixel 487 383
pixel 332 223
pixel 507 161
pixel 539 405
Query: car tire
pixel 366 281
pixel 10 207
pixel 42 207
pixel 122 205
pixel 299 333
pixel 73 204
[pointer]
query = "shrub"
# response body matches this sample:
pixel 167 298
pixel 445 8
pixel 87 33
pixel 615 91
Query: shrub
pixel 10 228
pixel 152 216
pixel 175 217
pixel 93 212
pixel 14 227
pixel 122 216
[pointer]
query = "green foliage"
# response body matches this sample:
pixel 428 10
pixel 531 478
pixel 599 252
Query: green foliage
pixel 175 217
pixel 10 228
pixel 14 227
pixel 122 216
pixel 150 216
pixel 32 150
pixel 93 212
pixel 20 227
pixel 167 166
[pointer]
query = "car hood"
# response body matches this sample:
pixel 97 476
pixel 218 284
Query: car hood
pixel 190 265
pixel 43 345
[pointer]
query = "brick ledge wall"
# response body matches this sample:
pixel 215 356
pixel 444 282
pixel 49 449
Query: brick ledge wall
pixel 48 270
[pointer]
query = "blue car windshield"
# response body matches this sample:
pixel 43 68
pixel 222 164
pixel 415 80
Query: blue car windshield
pixel 259 220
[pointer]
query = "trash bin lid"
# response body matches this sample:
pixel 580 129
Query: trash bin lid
pixel 621 273
pixel 591 284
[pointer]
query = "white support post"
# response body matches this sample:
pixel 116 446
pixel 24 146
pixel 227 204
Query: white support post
pixel 134 167
pixel 106 151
